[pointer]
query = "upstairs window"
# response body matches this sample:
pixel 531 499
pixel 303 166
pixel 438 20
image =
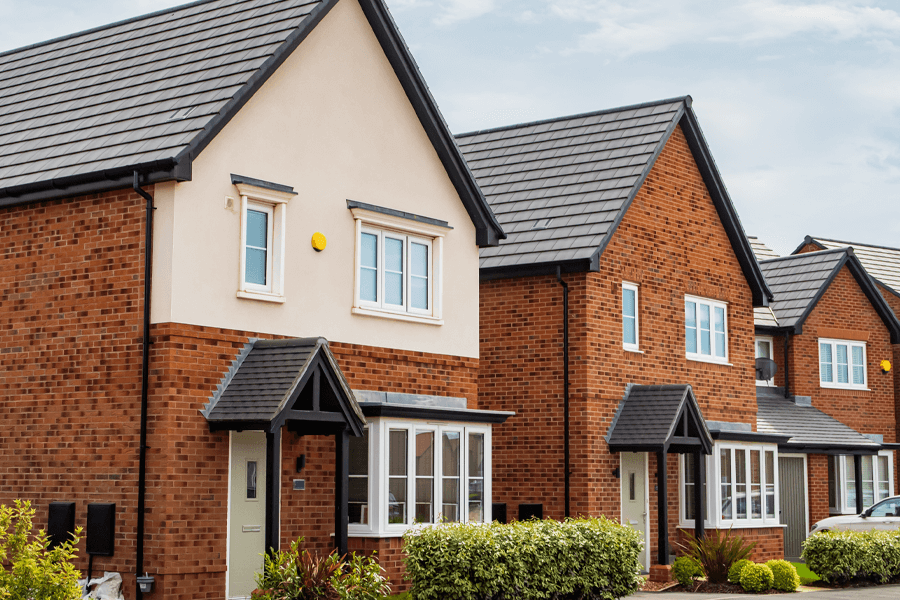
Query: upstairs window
pixel 764 350
pixel 842 364
pixel 705 330
pixel 630 327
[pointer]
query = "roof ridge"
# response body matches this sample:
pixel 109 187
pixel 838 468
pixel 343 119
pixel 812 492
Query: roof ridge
pixel 846 249
pixel 70 36
pixel 685 98
pixel 854 244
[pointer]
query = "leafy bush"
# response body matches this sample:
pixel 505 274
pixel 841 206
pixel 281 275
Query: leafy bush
pixel 785 575
pixel 839 556
pixel 686 570
pixel 532 560
pixel 734 573
pixel 297 574
pixel 756 578
pixel 34 570
pixel 716 552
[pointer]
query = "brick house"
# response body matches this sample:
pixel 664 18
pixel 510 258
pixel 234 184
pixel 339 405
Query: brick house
pixel 617 321
pixel 828 331
pixel 280 173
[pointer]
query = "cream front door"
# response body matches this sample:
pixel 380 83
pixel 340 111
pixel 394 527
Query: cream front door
pixel 634 496
pixel 247 504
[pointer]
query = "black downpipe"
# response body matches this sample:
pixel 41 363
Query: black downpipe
pixel 787 370
pixel 145 377
pixel 565 387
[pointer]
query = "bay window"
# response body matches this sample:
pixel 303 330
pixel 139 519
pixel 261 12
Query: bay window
pixel 877 481
pixel 842 364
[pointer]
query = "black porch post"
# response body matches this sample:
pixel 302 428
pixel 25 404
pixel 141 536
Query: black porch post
pixel 341 488
pixel 662 507
pixel 699 477
pixel 273 489
pixel 857 472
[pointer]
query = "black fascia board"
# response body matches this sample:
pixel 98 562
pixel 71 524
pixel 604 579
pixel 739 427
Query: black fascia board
pixel 762 295
pixel 807 240
pixel 409 411
pixel 239 425
pixel 637 448
pixel 262 183
pixel 779 330
pixel 885 286
pixel 489 232
pixel 749 436
pixel 351 204
pixel 581 265
pixel 829 449
pixel 95 182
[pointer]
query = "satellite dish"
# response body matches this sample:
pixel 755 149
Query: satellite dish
pixel 765 369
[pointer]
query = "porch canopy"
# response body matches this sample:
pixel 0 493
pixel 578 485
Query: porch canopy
pixel 664 419
pixel 294 383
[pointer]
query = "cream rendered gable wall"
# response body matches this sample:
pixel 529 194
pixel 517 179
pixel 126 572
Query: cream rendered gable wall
pixel 334 123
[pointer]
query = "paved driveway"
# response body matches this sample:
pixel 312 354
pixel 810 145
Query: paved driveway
pixel 871 593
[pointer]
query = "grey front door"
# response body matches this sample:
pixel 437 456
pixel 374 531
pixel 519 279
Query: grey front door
pixel 793 504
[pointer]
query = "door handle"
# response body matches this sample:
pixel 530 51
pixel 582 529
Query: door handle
pixel 251 528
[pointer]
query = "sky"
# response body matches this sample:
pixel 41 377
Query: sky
pixel 799 101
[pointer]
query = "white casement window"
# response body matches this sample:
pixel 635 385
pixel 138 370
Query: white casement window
pixel 765 349
pixel 745 490
pixel 842 364
pixel 263 226
pixel 427 473
pixel 877 481
pixel 630 325
pixel 398 267
pixel 705 330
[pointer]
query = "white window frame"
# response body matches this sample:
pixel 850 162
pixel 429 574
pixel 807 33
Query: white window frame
pixel 714 518
pixel 712 304
pixel 379 448
pixel 410 231
pixel 844 506
pixel 274 204
pixel 771 342
pixel 834 343
pixel 636 346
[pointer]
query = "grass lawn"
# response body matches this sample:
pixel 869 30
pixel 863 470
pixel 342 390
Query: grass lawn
pixel 806 576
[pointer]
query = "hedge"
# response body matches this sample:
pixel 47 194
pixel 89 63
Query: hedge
pixel 532 560
pixel 839 556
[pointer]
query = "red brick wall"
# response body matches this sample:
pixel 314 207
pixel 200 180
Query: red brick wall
pixel 671 243
pixel 817 487
pixel 769 541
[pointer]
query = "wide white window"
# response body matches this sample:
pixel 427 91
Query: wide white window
pixel 263 216
pixel 842 364
pixel 398 267
pixel 630 325
pixel 743 490
pixel 877 481
pixel 426 473
pixel 705 330
pixel 764 349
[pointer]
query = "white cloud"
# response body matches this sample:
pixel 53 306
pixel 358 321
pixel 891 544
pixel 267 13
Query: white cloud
pixel 463 10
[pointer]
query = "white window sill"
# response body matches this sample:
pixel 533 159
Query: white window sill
pixel 265 297
pixel 635 350
pixel 731 524
pixel 712 361
pixel 844 387
pixel 386 314
pixel 765 384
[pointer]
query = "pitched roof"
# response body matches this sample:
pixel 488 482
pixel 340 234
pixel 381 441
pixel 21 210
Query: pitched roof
pixel 656 416
pixel 760 250
pixel 808 426
pixel 271 378
pixel 560 187
pixel 881 262
pixel 81 113
pixel 800 280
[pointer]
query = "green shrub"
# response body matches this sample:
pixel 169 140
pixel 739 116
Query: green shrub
pixel 716 552
pixel 33 570
pixel 532 560
pixel 297 574
pixel 686 570
pixel 785 575
pixel 734 573
pixel 839 556
pixel 756 578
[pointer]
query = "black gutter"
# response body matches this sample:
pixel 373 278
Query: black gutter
pixel 145 376
pixel 567 473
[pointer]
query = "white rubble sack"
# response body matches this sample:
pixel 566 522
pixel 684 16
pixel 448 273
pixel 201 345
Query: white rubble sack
pixel 108 587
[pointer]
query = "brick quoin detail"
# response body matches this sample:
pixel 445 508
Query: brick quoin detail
pixel 671 243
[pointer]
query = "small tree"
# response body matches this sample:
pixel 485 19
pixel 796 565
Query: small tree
pixel 716 552
pixel 35 571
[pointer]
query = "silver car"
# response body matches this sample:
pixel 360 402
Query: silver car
pixel 884 515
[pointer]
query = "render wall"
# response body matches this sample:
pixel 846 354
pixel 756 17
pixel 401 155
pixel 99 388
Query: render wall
pixel 670 242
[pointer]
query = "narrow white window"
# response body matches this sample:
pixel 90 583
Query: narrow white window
pixel 258 263
pixel 358 502
pixel 705 330
pixel 476 478
pixel 450 472
pixel 263 227
pixel 630 316
pixel 424 454
pixel 764 350
pixel 842 364
pixel 397 476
